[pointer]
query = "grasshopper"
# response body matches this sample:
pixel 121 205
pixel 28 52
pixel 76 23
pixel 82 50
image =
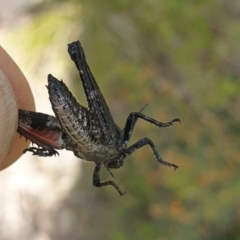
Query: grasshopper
pixel 89 132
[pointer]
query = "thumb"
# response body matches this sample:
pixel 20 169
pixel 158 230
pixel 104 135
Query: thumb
pixel 15 93
pixel 8 115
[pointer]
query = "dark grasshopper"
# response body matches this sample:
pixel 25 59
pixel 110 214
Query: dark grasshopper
pixel 90 132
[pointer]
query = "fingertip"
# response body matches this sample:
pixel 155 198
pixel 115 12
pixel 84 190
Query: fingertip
pixel 17 95
pixel 8 116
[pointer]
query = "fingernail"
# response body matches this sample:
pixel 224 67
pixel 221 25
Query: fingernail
pixel 8 116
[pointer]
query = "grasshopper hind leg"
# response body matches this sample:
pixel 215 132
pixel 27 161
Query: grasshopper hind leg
pixel 41 152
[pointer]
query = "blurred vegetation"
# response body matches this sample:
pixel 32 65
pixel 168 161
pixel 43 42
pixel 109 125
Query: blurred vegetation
pixel 182 58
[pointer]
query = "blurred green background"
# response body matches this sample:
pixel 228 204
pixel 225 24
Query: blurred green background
pixel 180 57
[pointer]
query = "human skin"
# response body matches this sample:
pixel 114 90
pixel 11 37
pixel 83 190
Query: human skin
pixel 15 93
